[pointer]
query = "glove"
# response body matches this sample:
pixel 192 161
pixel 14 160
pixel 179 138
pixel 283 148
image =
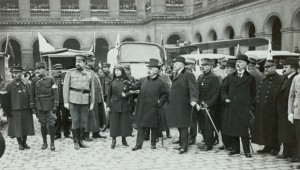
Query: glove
pixel 67 105
pixel 227 100
pixel 291 117
pixel 204 106
pixel 193 103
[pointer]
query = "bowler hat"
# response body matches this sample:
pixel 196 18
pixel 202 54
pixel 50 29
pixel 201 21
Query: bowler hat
pixel 153 63
pixel 242 57
pixel 179 59
pixel 17 69
pixel 57 66
pixel 81 57
pixel 230 63
pixel 291 61
pixel 40 65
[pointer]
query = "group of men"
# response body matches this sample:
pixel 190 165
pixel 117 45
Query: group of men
pixel 235 98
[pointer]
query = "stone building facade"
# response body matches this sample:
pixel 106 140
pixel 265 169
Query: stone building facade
pixel 72 23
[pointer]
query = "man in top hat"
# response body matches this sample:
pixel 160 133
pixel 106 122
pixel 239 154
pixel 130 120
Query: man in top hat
pixel 96 117
pixel 105 78
pixel 44 101
pixel 62 113
pixel 153 94
pixel 238 92
pixel 182 99
pixel 266 123
pixel 286 130
pixel 209 88
pixel 79 97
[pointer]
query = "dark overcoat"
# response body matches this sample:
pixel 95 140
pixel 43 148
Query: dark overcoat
pixel 184 90
pixel 286 130
pixel 20 123
pixel 153 95
pixel 266 122
pixel 241 93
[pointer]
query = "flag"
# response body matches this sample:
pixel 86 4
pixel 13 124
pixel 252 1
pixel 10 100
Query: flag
pixel 198 50
pixel 9 51
pixel 44 46
pixel 269 56
pixel 93 48
pixel 238 51
pixel 118 41
pixel 163 46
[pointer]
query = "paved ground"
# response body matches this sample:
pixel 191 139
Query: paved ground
pixel 100 156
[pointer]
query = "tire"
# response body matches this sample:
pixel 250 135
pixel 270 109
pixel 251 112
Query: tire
pixel 2 145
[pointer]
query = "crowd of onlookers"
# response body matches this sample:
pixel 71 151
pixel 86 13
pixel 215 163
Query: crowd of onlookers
pixel 9 5
pixel 39 5
pixel 174 2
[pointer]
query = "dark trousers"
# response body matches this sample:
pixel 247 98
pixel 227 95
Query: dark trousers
pixel 79 114
pixel 62 120
pixel 207 128
pixel 297 126
pixel 184 137
pixel 236 144
pixel 289 149
pixel 193 128
pixel 141 134
pixel 227 141
pixel 102 116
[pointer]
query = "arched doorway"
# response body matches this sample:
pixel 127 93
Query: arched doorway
pixel 229 34
pixel 212 36
pixel 296 25
pixel 173 39
pixel 101 50
pixel 72 43
pixel 128 40
pixel 273 26
pixel 16 59
pixel 249 32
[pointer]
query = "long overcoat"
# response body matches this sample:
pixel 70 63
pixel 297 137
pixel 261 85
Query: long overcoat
pixel 153 95
pixel 286 130
pixel 241 93
pixel 265 124
pixel 184 90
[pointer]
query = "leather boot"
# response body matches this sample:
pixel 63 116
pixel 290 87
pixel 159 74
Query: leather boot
pixel 44 135
pixel 113 142
pixel 124 142
pixel 24 139
pixel 81 144
pixel 52 137
pixel 21 147
pixel 76 138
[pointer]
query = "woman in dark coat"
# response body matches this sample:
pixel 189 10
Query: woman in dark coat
pixel 20 120
pixel 119 106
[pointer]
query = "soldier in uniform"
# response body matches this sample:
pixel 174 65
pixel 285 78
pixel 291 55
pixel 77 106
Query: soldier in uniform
pixel 153 93
pixel 20 121
pixel 209 88
pixel 79 98
pixel 44 102
pixel 62 113
pixel 105 78
pixel 266 123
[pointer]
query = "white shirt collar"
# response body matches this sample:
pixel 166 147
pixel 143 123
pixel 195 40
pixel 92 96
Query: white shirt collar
pixel 289 76
pixel 180 71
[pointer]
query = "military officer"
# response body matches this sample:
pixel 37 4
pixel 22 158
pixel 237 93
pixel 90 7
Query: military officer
pixel 44 102
pixel 266 122
pixel 79 97
pixel 105 78
pixel 62 113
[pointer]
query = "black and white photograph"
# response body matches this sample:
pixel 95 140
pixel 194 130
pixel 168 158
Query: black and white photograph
pixel 149 84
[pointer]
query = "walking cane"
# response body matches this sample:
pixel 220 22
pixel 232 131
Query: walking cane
pixel 212 122
pixel 160 129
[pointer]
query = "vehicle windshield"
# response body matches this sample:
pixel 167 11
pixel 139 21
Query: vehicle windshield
pixel 139 53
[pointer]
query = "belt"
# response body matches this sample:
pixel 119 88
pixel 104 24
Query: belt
pixel 80 90
pixel 41 96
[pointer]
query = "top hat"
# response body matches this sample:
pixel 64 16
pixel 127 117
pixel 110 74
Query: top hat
pixel 57 66
pixel 39 65
pixel 291 61
pixel 179 59
pixel 230 63
pixel 242 57
pixel 153 63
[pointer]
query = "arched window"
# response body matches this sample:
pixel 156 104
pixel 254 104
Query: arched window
pixel 72 43
pixel 14 49
pixel 99 4
pixel 127 4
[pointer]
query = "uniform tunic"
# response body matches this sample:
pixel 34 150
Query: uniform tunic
pixel 21 122
pixel 119 119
